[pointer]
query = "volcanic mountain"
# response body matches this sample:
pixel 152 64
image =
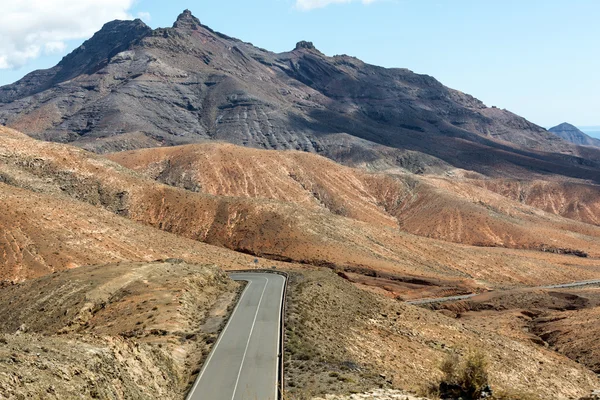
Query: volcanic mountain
pixel 572 134
pixel 131 87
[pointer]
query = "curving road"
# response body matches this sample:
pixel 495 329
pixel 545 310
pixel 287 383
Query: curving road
pixel 243 363
pixel 468 296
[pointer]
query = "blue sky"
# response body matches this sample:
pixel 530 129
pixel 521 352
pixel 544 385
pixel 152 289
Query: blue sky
pixel 536 58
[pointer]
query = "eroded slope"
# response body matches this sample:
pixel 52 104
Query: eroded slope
pixel 575 200
pixel 111 331
pixel 443 208
pixel 342 339
pixel 277 229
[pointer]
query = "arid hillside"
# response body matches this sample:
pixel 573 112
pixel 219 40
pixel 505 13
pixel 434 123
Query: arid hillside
pixel 576 200
pixel 341 339
pixel 438 207
pixel 565 320
pixel 282 230
pixel 118 331
pixel 43 233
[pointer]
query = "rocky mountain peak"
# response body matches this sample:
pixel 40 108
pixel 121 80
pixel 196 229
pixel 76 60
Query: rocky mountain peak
pixel 305 45
pixel 186 20
pixel 109 104
pixel 565 126
pixel 574 135
pixel 114 37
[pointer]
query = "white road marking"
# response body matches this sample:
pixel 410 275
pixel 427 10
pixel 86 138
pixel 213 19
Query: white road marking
pixel 214 349
pixel 249 337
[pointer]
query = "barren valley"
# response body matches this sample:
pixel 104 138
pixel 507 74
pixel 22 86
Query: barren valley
pixel 148 163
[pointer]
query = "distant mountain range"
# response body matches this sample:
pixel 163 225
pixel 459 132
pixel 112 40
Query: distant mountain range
pixel 572 134
pixel 131 87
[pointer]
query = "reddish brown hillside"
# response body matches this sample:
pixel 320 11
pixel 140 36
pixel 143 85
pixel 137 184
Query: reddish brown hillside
pixel 305 179
pixel 271 228
pixel 434 207
pixel 578 201
pixel 41 233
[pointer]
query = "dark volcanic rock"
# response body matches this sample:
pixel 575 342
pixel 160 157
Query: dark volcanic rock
pixel 130 87
pixel 572 134
pixel 305 45
pixel 186 20
pixel 88 58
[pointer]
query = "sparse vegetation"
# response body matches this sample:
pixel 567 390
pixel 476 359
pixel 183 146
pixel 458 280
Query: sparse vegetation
pixel 335 330
pixel 467 378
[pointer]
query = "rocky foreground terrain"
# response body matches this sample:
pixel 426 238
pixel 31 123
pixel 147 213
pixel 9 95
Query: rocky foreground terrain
pixel 118 331
pixel 380 394
pixel 390 345
pixel 564 320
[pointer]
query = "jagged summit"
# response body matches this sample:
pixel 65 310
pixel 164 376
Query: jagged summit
pixel 305 45
pixel 186 20
pixel 187 83
pixel 114 37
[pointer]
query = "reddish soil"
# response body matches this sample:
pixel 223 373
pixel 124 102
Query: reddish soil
pixel 320 234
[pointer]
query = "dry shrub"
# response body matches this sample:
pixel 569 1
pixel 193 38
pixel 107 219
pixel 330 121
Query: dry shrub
pixel 465 378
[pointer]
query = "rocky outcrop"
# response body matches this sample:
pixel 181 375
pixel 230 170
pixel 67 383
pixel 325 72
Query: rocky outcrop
pixel 186 20
pixel 305 45
pixel 91 56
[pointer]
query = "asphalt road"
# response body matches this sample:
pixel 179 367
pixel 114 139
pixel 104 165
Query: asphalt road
pixel 468 296
pixel 243 363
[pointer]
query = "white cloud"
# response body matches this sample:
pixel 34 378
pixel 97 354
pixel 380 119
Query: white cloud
pixel 55 47
pixel 307 5
pixel 30 28
pixel 144 16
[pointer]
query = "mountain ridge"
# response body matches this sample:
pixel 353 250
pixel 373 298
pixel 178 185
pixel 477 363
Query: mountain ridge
pixel 189 84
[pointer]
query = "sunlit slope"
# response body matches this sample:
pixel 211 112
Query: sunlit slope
pixel 442 208
pixel 271 228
